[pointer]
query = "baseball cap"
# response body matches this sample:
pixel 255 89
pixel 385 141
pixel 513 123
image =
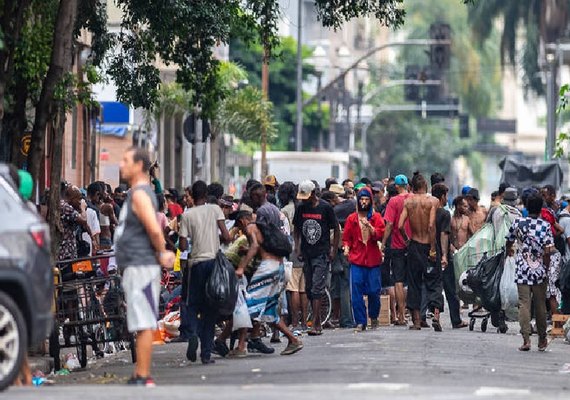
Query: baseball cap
pixel 306 188
pixel 359 186
pixel 377 186
pixel 473 193
pixel 401 180
pixel 336 189
pixel 465 190
pixel 510 196
pixel 270 180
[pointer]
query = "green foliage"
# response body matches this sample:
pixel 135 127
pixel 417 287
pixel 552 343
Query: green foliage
pixel 401 143
pixel 528 14
pixel 333 13
pixel 563 137
pixel 282 85
pixel 246 114
pixel 475 70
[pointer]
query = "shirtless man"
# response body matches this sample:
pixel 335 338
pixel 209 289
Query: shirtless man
pixel 477 215
pixel 420 209
pixel 460 227
pixel 267 283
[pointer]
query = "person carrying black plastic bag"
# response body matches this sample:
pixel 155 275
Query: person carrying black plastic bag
pixel 535 243
pixel 202 223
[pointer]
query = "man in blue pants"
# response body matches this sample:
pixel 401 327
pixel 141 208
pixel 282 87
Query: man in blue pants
pixel 362 232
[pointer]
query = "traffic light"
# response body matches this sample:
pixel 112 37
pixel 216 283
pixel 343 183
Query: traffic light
pixel 440 53
pixel 412 92
pixel 464 126
pixel 432 93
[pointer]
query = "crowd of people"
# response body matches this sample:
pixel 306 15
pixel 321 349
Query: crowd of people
pixel 396 236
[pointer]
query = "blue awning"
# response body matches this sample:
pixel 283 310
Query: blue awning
pixel 113 130
pixel 115 112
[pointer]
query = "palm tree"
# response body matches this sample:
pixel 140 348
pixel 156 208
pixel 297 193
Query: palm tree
pixel 544 21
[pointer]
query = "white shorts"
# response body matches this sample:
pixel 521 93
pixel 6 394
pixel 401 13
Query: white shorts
pixel 142 289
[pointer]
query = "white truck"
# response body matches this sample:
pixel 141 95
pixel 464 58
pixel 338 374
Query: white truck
pixel 298 166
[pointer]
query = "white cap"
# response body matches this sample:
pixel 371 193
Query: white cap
pixel 306 188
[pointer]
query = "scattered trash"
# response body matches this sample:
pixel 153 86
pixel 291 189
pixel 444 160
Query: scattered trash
pixel 71 362
pixel 256 370
pixel 492 369
pixel 38 374
pixel 203 377
pixel 38 380
pixel 63 372
pixel 385 376
pixel 565 369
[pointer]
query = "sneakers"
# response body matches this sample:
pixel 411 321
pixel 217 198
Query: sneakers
pixel 140 381
pixel 292 348
pixel 257 346
pixel 220 348
pixel 237 353
pixel 360 328
pixel 374 324
pixel 192 349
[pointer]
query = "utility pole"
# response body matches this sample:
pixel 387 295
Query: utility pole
pixel 299 125
pixel 265 92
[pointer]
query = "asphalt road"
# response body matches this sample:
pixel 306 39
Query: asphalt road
pixel 391 361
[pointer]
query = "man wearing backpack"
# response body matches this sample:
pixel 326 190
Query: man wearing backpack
pixel 268 239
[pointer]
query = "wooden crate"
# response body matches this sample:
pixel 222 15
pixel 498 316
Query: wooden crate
pixel 558 321
pixel 384 310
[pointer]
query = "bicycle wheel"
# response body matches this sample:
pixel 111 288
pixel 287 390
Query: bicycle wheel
pixel 326 307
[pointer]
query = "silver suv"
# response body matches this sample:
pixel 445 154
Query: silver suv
pixel 26 279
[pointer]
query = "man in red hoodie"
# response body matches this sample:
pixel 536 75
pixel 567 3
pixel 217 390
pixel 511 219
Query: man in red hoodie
pixel 362 232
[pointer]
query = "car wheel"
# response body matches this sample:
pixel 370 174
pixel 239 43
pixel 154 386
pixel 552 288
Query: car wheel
pixel 13 340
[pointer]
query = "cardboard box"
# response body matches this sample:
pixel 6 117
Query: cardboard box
pixel 558 321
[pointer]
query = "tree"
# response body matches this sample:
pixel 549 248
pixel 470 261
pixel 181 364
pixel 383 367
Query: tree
pixel 543 21
pixel 475 72
pixel 401 143
pixel 282 86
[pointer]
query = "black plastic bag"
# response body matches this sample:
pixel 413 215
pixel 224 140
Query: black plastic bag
pixel 222 286
pixel 564 278
pixel 485 281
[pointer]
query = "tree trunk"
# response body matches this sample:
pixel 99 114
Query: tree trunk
pixel 11 25
pixel 55 179
pixel 15 123
pixel 60 63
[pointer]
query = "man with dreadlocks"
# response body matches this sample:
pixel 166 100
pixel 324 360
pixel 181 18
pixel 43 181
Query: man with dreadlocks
pixel 362 232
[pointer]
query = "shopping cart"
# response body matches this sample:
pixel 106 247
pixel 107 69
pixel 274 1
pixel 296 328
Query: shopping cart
pixel 90 308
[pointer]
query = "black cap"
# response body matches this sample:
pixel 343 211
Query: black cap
pixel 473 193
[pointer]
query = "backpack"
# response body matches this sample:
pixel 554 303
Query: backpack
pixel 274 240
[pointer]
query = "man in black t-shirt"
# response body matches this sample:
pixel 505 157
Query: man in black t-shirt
pixel 443 229
pixel 314 219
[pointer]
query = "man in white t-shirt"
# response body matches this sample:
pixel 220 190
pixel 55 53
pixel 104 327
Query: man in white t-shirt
pixel 93 223
pixel 202 223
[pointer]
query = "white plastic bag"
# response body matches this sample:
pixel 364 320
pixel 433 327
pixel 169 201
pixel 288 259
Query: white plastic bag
pixel 288 271
pixel 172 323
pixel 509 291
pixel 241 317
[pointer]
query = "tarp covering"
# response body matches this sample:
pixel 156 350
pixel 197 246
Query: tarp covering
pixel 489 240
pixel 520 175
pixel 114 130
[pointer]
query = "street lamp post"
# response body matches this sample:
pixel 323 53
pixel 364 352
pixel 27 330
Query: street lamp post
pixel 319 61
pixel 361 76
pixel 344 59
